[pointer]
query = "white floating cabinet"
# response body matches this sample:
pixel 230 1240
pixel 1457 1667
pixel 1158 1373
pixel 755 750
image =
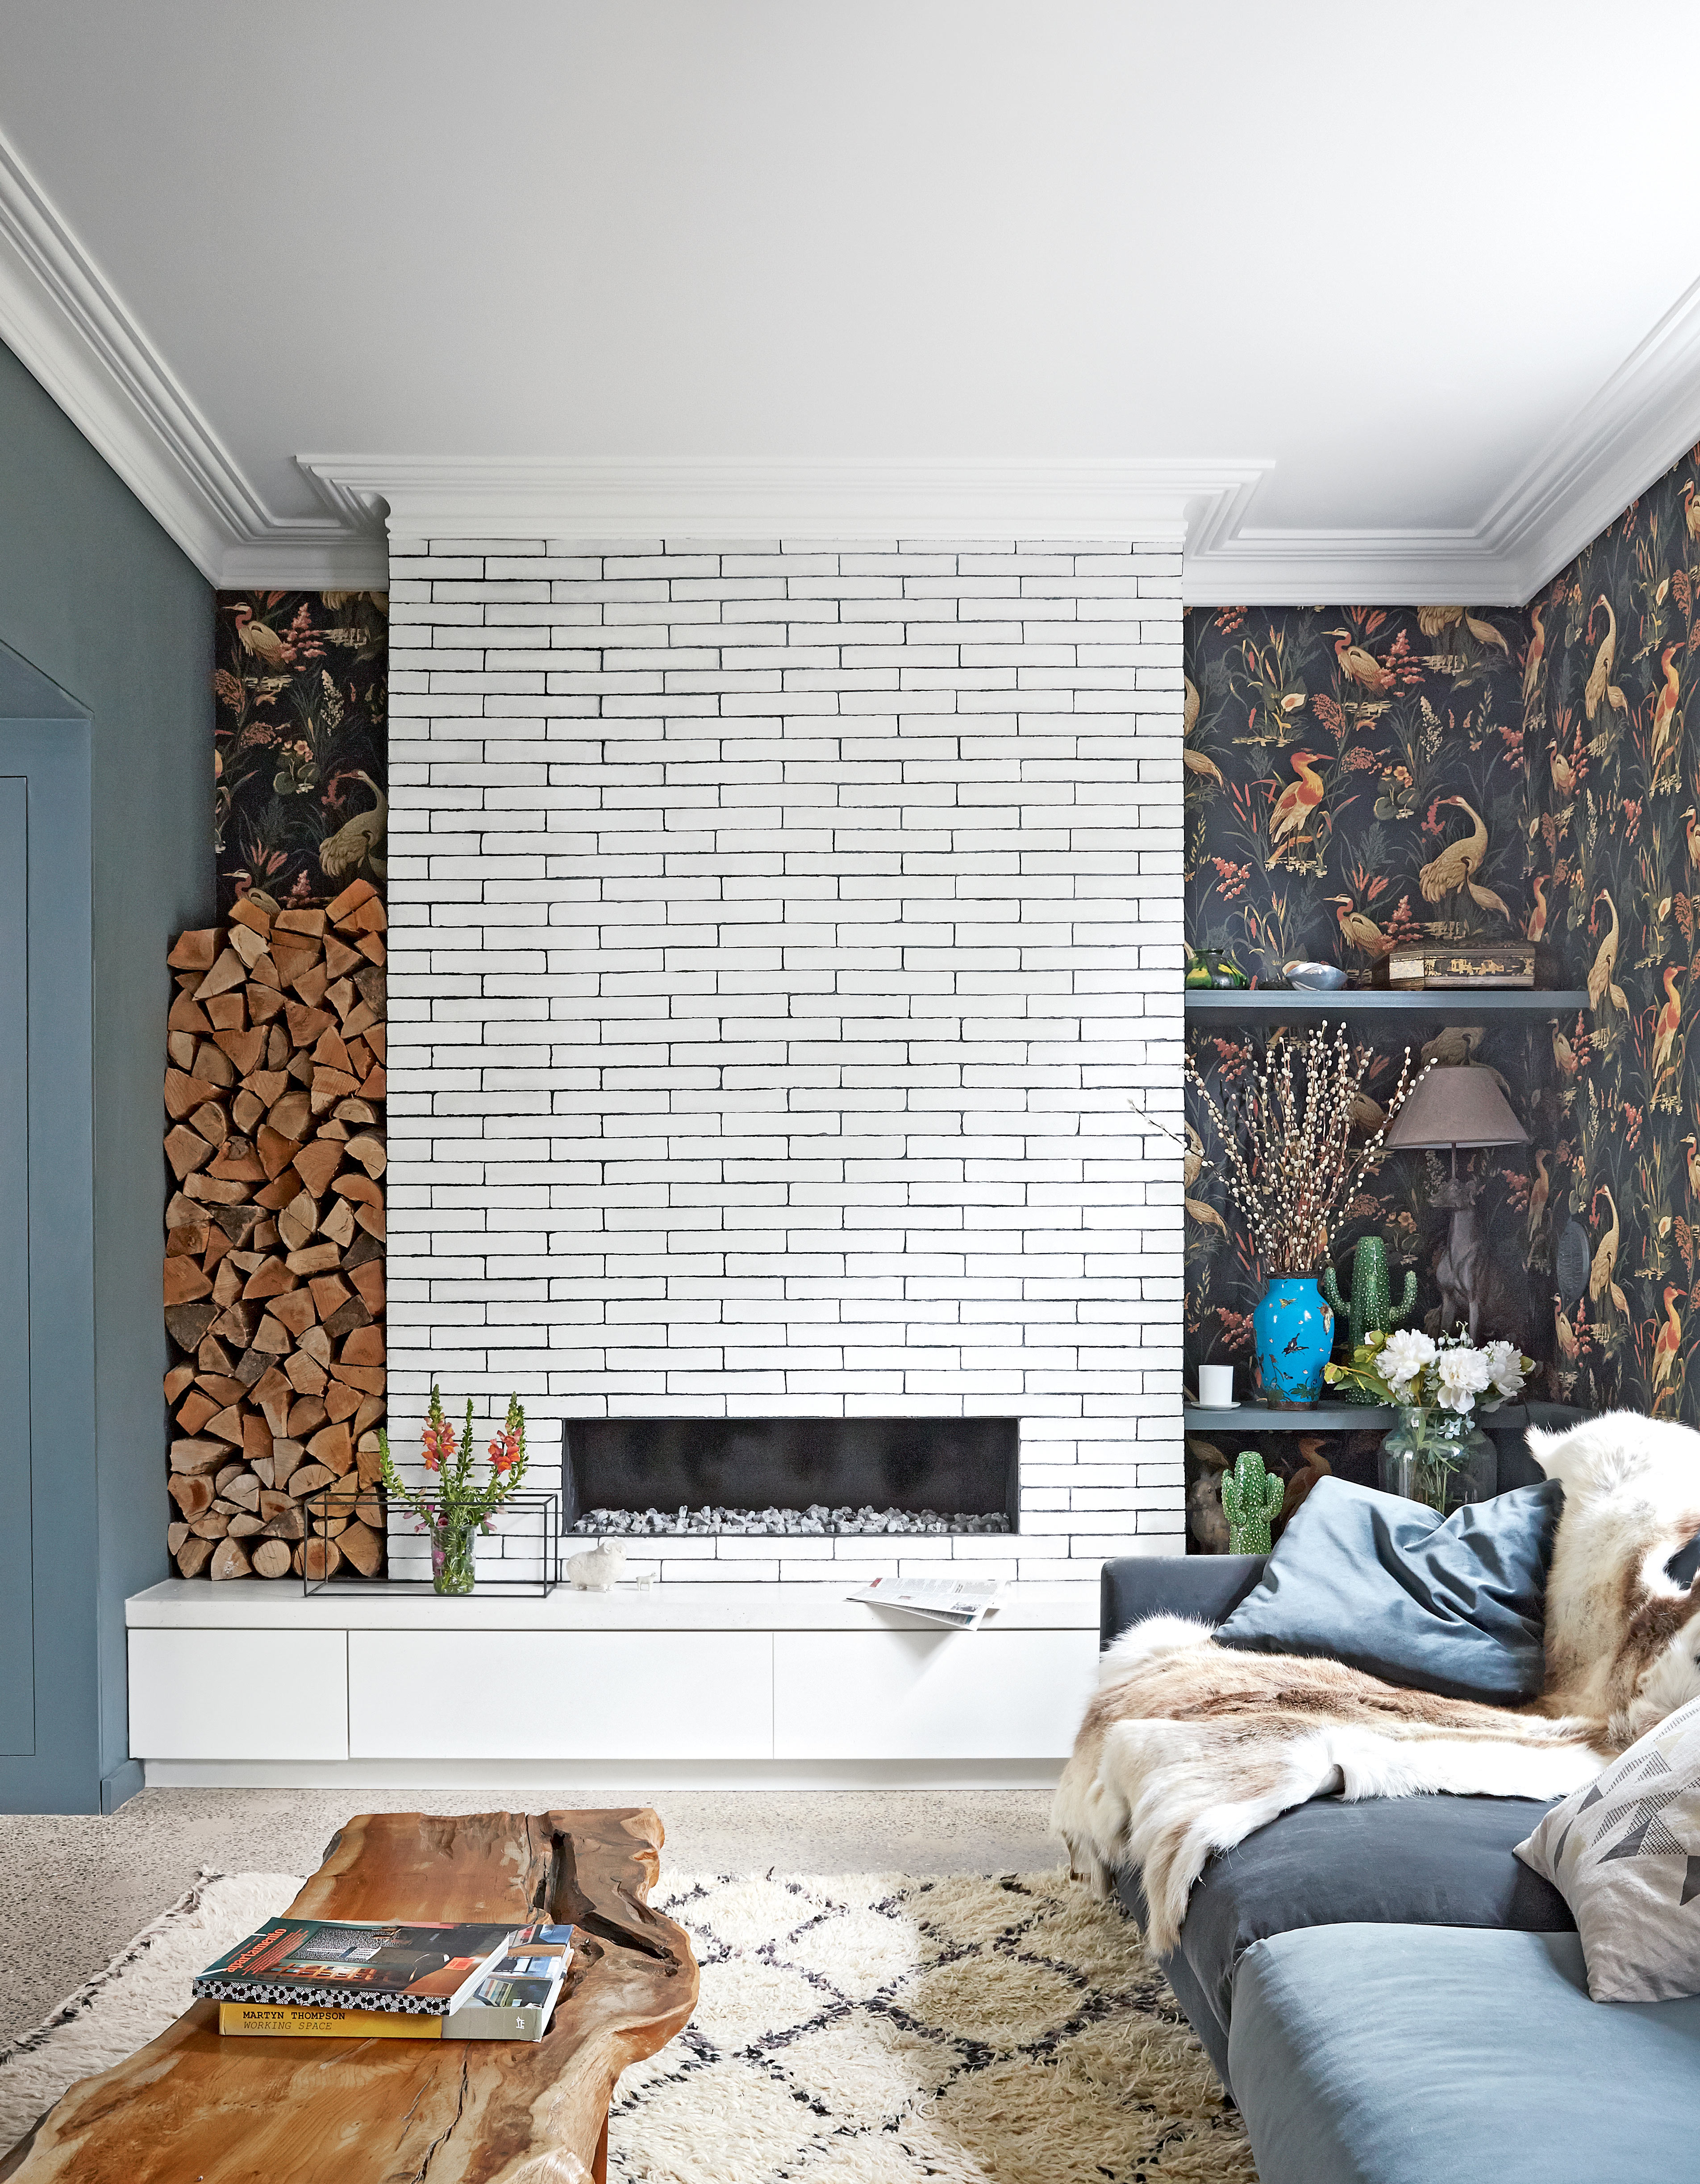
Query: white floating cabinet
pixel 930 1694
pixel 560 1695
pixel 239 1694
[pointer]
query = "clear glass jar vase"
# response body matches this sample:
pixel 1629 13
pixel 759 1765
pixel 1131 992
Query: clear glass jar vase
pixel 1440 1458
pixel 452 1537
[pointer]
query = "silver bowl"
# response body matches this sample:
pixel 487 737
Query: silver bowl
pixel 1314 978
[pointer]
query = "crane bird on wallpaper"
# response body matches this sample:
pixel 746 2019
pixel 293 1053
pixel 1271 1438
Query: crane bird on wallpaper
pixel 1459 863
pixel 356 850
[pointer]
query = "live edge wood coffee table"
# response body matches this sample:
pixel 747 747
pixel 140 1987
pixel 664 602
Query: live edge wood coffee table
pixel 192 2108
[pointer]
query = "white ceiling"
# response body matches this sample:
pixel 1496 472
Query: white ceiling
pixel 1397 253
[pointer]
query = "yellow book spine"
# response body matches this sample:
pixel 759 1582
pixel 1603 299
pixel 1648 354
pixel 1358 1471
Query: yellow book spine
pixel 295 2021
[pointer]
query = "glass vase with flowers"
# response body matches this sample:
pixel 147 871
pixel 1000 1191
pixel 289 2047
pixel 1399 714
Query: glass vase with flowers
pixel 1295 1149
pixel 1438 1454
pixel 458 1506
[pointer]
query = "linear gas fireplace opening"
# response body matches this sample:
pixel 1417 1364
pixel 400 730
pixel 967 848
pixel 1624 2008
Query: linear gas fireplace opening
pixel 656 1478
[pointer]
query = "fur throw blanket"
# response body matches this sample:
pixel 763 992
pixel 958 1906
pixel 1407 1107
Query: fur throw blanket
pixel 1188 1745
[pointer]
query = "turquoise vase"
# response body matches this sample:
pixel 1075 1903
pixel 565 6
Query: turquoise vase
pixel 1293 1332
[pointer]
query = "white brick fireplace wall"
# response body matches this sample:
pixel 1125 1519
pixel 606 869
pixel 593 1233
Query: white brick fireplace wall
pixel 778 934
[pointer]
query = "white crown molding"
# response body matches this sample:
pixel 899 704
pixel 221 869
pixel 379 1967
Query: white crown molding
pixel 1621 441
pixel 67 326
pixel 787 497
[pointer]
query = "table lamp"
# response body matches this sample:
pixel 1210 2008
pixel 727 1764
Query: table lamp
pixel 1460 1106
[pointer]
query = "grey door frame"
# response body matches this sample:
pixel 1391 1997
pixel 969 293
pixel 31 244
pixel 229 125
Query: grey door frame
pixel 45 739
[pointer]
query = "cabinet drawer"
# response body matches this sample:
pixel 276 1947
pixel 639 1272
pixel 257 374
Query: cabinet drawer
pixel 560 1695
pixel 238 1695
pixel 931 1695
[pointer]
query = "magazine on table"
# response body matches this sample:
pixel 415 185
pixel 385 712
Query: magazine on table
pixel 952 1603
pixel 513 2000
pixel 425 1969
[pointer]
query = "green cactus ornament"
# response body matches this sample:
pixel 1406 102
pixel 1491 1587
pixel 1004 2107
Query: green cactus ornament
pixel 1372 1310
pixel 1250 1499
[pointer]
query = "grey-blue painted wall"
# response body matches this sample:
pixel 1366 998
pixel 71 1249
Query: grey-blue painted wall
pixel 97 597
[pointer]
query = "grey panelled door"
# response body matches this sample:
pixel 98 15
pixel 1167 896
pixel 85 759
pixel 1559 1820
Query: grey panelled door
pixel 17 1603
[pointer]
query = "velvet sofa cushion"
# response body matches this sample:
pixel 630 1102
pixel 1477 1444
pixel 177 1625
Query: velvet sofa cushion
pixel 1452 1605
pixel 1411 2054
pixel 1383 1861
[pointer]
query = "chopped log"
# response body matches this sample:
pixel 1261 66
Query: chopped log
pixel 195 1412
pixel 184 1281
pixel 316 1343
pixel 227 973
pixel 365 1346
pixel 230 1559
pixel 193 1556
pixel 210 1121
pixel 195 951
pixel 245 1526
pixel 246 1049
pixel 247 1112
pixel 227 1426
pixel 251 1366
pixel 307 1413
pixel 248 943
pixel 198 1456
pixel 316 1163
pixel 363 1548
pixel 334 1447
pixel 227 1474
pixel 370 1414
pixel 320 1558
pixel 227 1285
pixel 237 1162
pixel 216 1191
pixel 369 1285
pixel 278 1193
pixel 177 1379
pixel 176 1532
pixel 214 1525
pixel 341 1401
pixel 272 1338
pixel 271 1277
pixel 186 1151
pixel 236 1322
pixel 193 1494
pixel 307 1479
pixel 294 1310
pixel 370 1151
pixel 368 1379
pixel 339 1224
pixel 291 1114
pixel 287 1456
pixel 250 914
pixel 369 1463
pixel 296 1222
pixel 185 1093
pixel 225 1012
pixel 288 1525
pixel 265 1004
pixel 271 1559
pixel 305 1373
pixel 312 923
pixel 275 1150
pixel 244 1491
pixel 257 1439
pixel 347 1315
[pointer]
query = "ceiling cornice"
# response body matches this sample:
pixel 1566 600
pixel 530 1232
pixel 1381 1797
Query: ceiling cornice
pixel 67 326
pixel 1621 440
pixel 794 498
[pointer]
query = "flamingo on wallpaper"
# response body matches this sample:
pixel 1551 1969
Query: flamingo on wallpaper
pixel 1690 510
pixel 1599 683
pixel 1357 661
pixel 1296 803
pixel 259 639
pixel 1564 773
pixel 1563 1333
pixel 1539 1191
pixel 1666 720
pixel 1459 863
pixel 1536 928
pixel 1535 654
pixel 1357 928
pixel 1668 1022
pixel 1600 1282
pixel 1601 975
pixel 1693 1146
pixel 1668 1347
pixel 1196 761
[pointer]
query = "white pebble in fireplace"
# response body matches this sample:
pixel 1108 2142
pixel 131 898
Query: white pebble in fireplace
pixel 778 934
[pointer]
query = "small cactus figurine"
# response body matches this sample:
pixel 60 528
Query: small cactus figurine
pixel 1250 1498
pixel 1372 1310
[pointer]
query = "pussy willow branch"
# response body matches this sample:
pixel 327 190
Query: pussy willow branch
pixel 1289 1160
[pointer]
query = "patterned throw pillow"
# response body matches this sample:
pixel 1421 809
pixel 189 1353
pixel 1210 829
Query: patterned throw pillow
pixel 1625 1854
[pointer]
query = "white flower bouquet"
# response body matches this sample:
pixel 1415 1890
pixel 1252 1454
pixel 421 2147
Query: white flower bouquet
pixel 1418 1371
pixel 1436 1453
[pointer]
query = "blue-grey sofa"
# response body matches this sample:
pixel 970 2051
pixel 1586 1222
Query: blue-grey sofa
pixel 1393 1997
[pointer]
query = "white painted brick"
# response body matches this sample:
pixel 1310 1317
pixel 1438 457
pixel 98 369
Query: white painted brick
pixel 771 933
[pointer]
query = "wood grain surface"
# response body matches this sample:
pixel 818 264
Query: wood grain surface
pixel 192 2108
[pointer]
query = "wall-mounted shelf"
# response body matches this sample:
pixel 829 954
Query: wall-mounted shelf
pixel 1251 1417
pixel 1448 1004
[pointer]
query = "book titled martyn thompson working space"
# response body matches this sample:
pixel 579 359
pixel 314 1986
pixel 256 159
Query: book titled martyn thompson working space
pixel 336 1978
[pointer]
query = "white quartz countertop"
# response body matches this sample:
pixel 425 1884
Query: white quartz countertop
pixel 253 1603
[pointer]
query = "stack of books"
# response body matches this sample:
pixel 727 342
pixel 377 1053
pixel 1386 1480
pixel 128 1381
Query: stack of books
pixel 364 1980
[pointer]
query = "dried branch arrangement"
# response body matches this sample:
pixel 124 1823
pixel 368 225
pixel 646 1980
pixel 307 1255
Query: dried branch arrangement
pixel 1289 1164
pixel 275 1237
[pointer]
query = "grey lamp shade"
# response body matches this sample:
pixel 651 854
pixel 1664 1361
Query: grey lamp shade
pixel 1461 1105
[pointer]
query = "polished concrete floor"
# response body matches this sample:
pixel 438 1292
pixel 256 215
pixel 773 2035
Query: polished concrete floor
pixel 73 1889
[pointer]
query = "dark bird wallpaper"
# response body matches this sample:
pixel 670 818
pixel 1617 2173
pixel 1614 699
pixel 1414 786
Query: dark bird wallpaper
pixel 1356 777
pixel 300 755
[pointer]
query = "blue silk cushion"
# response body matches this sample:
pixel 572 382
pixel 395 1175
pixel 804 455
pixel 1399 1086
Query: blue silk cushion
pixel 1453 1605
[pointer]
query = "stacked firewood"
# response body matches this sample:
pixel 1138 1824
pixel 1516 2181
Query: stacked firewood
pixel 275 1239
